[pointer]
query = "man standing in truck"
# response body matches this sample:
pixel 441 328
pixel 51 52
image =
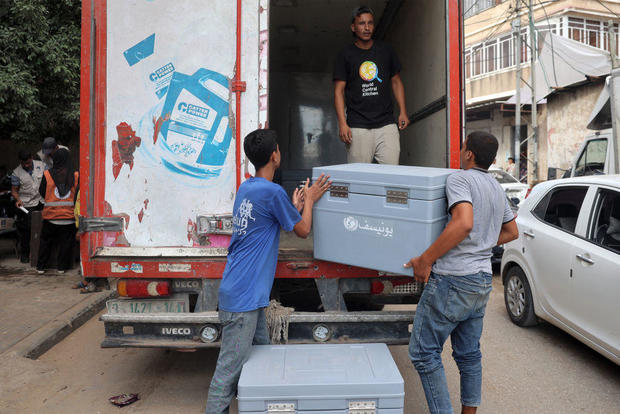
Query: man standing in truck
pixel 261 208
pixel 457 269
pixel 363 74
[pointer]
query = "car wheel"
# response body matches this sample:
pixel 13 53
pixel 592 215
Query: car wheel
pixel 518 298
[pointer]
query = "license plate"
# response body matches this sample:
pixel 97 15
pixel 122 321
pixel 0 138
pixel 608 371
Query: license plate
pixel 173 304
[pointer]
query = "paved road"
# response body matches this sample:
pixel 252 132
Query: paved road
pixel 536 370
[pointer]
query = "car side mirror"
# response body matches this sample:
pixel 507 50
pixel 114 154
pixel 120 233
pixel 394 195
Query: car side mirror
pixel 515 200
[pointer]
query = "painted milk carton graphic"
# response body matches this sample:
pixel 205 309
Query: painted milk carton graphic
pixel 196 122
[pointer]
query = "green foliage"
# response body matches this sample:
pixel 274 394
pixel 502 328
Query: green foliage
pixel 39 69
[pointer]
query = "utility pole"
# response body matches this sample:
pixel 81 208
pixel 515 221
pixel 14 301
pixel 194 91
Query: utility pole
pixel 614 94
pixel 533 53
pixel 516 28
pixel 613 45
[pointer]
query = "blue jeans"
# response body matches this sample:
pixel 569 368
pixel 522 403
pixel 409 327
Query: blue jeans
pixel 240 330
pixel 450 306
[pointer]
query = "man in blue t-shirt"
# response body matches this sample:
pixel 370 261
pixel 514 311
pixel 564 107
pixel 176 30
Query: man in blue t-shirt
pixel 261 208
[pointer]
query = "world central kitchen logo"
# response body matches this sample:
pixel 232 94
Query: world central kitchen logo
pixel 193 110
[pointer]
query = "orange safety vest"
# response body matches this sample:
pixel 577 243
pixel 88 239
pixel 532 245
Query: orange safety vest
pixel 57 208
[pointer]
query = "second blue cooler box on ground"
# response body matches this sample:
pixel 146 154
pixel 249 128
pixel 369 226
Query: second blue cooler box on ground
pixel 379 216
pixel 321 379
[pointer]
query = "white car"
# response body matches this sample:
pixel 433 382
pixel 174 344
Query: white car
pixel 565 265
pixel 512 186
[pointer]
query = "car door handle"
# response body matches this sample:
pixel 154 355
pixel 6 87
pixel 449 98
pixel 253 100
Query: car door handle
pixel 585 259
pixel 529 234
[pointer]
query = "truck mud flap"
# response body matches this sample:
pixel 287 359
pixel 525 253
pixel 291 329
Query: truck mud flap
pixel 203 330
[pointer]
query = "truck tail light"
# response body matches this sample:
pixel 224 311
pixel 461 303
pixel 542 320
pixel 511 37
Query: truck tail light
pixel 529 190
pixel 376 287
pixel 137 288
pixel 395 286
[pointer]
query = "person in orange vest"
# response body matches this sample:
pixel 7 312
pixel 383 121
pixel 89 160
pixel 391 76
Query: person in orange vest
pixel 59 190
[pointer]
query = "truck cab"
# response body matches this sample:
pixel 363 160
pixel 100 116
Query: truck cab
pixel 599 153
pixel 595 156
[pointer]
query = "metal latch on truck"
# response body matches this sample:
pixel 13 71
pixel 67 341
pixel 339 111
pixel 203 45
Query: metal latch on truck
pixel 88 224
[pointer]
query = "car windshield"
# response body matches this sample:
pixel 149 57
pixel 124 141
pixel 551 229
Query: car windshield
pixel 503 177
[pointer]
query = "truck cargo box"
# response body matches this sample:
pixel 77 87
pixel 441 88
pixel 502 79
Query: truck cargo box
pixel 169 89
pixel 321 379
pixel 379 216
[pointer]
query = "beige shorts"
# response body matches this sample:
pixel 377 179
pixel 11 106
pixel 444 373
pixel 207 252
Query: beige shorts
pixel 382 144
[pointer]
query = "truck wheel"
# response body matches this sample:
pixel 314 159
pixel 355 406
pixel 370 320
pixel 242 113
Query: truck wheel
pixel 518 298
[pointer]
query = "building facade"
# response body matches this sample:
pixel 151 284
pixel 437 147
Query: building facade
pixel 490 59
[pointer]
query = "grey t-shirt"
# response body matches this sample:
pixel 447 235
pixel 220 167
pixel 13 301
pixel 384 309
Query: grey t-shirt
pixel 491 211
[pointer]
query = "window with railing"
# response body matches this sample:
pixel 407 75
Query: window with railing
pixel 498 54
pixel 473 7
pixel 590 32
pixel 494 55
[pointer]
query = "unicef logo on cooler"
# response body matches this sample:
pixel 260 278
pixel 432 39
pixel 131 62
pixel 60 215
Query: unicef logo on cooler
pixel 351 223
pixel 369 71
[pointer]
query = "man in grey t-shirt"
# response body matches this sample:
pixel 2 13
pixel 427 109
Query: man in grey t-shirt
pixel 457 267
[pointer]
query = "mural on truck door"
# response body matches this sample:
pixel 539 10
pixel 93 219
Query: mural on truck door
pixel 170 153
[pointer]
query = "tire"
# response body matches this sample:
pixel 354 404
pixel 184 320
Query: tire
pixel 518 298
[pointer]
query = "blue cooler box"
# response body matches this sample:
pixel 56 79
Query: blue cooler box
pixel 321 378
pixel 379 216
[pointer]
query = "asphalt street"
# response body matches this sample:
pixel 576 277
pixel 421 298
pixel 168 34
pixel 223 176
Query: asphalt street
pixel 534 370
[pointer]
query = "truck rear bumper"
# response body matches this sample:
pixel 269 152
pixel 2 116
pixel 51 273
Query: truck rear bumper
pixel 164 330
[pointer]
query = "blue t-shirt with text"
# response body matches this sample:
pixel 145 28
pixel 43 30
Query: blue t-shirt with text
pixel 261 208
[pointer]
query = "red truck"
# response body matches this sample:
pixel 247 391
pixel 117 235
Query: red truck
pixel 169 90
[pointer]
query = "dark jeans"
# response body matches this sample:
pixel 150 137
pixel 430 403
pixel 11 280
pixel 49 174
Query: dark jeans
pixel 23 223
pixel 61 235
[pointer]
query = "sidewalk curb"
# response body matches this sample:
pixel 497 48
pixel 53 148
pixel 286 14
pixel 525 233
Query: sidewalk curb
pixel 44 338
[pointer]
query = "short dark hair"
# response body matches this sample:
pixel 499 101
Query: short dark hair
pixel 358 11
pixel 510 158
pixel 484 147
pixel 259 145
pixel 24 155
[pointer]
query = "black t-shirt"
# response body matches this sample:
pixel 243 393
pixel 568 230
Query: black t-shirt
pixel 368 92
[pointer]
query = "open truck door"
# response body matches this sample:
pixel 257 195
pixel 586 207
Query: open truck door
pixel 168 91
pixel 158 126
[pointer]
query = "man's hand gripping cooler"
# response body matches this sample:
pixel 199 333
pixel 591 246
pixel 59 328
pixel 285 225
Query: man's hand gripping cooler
pixel 304 199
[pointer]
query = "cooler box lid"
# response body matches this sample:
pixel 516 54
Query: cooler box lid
pixel 314 374
pixel 421 183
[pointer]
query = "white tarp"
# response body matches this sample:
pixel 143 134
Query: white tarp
pixel 564 62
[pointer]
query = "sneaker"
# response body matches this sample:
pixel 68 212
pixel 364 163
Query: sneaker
pixel 24 259
pixel 40 271
pixel 60 272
